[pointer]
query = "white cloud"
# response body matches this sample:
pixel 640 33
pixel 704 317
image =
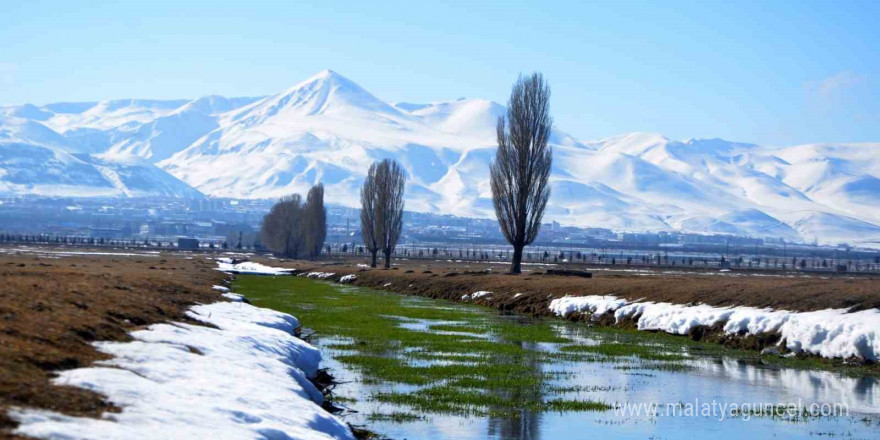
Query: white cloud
pixel 835 85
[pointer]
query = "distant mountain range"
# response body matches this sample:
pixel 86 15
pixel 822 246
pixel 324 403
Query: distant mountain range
pixel 329 129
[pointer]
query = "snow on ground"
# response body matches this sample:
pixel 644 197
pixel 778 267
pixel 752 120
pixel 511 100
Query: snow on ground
pixel 348 278
pixel 593 304
pixel 319 275
pixel 250 268
pixel 220 288
pixel 245 379
pixel 476 295
pixel 831 333
pixel 233 296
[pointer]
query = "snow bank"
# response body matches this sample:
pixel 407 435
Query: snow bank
pixel 250 268
pixel 220 288
pixel 831 333
pixel 320 275
pixel 672 318
pixel 476 295
pixel 348 278
pixel 594 304
pixel 233 296
pixel 245 379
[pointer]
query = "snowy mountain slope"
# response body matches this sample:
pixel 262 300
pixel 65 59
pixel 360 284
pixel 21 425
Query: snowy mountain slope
pixel 326 128
pixel 329 129
pixel 834 228
pixel 151 129
pixel 36 160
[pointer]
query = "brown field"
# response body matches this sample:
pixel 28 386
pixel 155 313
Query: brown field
pixel 53 307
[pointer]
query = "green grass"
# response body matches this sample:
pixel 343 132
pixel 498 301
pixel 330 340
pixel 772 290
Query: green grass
pixel 395 417
pixel 465 359
pixel 485 365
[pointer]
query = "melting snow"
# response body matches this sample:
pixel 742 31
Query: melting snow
pixel 249 268
pixel 593 304
pixel 348 278
pixel 476 295
pixel 831 333
pixel 245 379
pixel 233 296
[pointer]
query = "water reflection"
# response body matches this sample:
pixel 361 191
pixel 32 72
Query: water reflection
pixel 526 425
pixel 860 394
pixel 709 378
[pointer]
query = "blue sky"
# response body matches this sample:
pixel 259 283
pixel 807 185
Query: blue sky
pixel 774 72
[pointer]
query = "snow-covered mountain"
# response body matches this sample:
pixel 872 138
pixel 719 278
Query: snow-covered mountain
pixel 329 129
pixel 34 159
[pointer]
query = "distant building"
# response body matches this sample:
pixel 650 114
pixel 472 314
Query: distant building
pixel 187 243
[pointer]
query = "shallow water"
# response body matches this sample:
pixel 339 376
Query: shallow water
pixel 691 402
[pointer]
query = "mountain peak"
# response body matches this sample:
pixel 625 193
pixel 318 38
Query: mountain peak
pixel 327 93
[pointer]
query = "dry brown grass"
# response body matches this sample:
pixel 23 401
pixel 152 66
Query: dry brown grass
pixel 51 309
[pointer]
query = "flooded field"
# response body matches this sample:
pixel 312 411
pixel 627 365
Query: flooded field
pixel 412 367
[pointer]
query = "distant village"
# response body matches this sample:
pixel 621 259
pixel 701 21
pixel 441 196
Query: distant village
pixel 216 223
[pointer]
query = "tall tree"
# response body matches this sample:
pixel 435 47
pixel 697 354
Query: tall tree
pixel 314 221
pixel 382 209
pixel 391 181
pixel 369 204
pixel 282 227
pixel 521 169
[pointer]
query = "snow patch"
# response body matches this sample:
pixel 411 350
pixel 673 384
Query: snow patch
pixel 246 379
pixel 831 333
pixel 250 268
pixel 320 275
pixel 593 304
pixel 348 278
pixel 476 295
pixel 233 296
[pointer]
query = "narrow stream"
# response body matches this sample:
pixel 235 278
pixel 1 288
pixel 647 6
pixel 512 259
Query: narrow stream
pixel 652 386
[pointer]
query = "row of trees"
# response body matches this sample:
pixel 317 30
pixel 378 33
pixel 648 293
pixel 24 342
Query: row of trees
pixel 293 227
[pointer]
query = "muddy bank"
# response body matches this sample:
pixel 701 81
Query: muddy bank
pixel 53 308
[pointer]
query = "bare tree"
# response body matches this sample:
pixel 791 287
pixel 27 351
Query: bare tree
pixel 314 221
pixel 382 209
pixel 391 180
pixel 282 227
pixel 521 169
pixel 369 204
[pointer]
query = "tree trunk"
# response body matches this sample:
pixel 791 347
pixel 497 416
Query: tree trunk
pixel 373 261
pixel 387 260
pixel 516 262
